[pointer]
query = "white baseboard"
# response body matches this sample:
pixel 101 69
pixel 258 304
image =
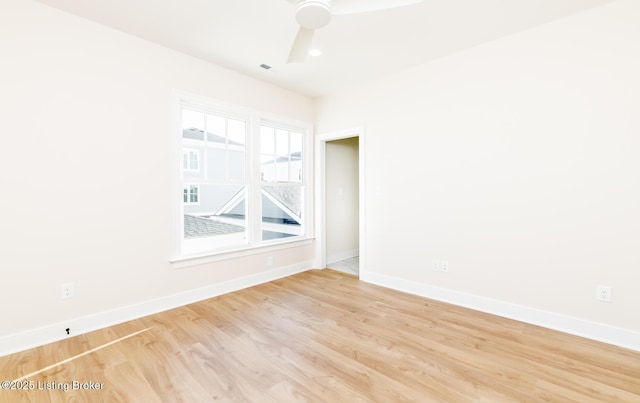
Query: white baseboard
pixel 48 334
pixel 596 331
pixel 347 254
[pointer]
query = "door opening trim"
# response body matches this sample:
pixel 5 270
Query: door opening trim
pixel 320 192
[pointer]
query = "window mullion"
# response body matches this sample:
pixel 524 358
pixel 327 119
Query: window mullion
pixel 226 149
pixel 254 191
pixel 205 152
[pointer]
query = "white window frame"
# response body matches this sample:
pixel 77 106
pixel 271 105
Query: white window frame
pixel 254 188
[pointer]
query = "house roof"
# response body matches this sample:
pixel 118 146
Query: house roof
pixel 294 156
pixel 285 198
pixel 196 227
pixel 288 196
pixel 197 134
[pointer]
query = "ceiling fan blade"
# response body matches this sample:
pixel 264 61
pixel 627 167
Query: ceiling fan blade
pixel 364 6
pixel 301 45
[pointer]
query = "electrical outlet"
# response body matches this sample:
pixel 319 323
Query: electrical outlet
pixel 440 265
pixel 66 290
pixel 603 293
pixel 270 261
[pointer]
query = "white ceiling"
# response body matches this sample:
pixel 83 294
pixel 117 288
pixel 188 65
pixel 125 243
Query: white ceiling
pixel 242 34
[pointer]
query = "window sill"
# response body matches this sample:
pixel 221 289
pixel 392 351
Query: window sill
pixel 188 261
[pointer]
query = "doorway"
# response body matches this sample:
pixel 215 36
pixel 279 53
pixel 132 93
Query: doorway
pixel 340 201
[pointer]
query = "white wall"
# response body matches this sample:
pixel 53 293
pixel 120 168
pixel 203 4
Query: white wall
pixel 342 188
pixel 85 166
pixel 517 161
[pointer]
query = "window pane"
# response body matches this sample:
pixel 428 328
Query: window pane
pixel 236 164
pixel 281 211
pixel 192 125
pixel 282 169
pixel 192 119
pixel 282 142
pixel 216 128
pixel 236 132
pixel 295 166
pixel 216 163
pixel 267 140
pixel 267 168
pixel 218 221
pixel 296 144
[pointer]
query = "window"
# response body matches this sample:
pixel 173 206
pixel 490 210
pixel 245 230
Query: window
pixel 190 194
pixel 242 179
pixel 190 160
pixel 281 177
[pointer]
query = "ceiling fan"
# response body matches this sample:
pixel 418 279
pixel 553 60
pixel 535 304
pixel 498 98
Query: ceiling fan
pixel 315 14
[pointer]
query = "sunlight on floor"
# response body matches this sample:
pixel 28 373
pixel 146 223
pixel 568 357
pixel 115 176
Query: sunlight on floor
pixel 81 355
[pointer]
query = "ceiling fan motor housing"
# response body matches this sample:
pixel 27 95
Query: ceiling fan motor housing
pixel 313 14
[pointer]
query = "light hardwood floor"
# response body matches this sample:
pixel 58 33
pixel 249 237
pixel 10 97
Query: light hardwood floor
pixel 324 336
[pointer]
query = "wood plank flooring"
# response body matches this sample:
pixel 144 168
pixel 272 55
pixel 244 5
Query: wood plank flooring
pixel 323 336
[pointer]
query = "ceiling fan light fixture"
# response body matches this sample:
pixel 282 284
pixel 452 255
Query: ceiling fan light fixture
pixel 313 14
